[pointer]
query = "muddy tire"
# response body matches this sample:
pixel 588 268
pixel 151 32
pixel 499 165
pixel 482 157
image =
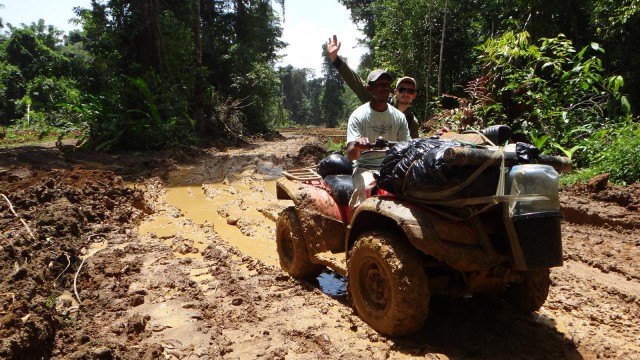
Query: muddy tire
pixel 292 249
pixel 387 284
pixel 530 294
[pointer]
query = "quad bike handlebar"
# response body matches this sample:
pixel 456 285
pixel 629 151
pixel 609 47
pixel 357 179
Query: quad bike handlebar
pixel 379 146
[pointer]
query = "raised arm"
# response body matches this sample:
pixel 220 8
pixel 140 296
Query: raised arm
pixel 350 77
pixel 333 46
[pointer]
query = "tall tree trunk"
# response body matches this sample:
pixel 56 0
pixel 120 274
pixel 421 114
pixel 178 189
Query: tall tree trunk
pixel 429 60
pixel 198 89
pixel 147 43
pixel 444 27
pixel 241 22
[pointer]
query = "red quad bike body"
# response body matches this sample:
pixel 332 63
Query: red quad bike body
pixel 396 253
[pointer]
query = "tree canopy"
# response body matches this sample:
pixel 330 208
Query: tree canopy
pixel 145 74
pixel 400 35
pixel 149 73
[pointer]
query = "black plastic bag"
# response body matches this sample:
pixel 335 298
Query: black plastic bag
pixel 417 169
pixel 398 160
pixel 527 153
pixel 341 187
pixel 335 164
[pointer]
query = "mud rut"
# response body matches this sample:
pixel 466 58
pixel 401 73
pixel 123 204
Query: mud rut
pixel 185 267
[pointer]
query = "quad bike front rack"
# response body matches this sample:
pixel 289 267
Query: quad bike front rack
pixel 307 174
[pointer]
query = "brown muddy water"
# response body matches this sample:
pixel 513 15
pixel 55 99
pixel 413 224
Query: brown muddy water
pixel 242 212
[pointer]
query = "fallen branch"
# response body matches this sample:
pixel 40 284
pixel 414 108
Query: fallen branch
pixel 75 278
pixel 93 235
pixel 16 215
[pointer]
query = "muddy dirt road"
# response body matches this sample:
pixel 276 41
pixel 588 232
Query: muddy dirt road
pixel 172 256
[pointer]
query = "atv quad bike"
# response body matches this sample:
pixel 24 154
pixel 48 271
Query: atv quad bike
pixel 396 252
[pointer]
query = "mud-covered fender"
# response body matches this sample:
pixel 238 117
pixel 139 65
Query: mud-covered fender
pixel 460 244
pixel 319 215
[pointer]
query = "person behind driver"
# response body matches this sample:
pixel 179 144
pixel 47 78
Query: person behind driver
pixel 369 121
pixel 404 93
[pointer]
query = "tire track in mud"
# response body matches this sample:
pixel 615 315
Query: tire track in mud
pixel 598 312
pixel 257 311
pixel 596 294
pixel 176 288
pixel 179 288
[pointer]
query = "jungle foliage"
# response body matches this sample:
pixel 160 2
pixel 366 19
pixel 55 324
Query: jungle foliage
pixel 144 74
pixel 562 71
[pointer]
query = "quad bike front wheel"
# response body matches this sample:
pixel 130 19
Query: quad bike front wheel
pixel 388 284
pixel 530 294
pixel 292 249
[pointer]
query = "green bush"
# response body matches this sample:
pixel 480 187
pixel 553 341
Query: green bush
pixel 550 89
pixel 335 147
pixel 614 150
pixel 579 176
pixel 259 91
pixel 142 125
pixel 13 87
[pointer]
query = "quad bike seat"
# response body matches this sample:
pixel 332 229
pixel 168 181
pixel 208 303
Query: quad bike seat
pixel 340 187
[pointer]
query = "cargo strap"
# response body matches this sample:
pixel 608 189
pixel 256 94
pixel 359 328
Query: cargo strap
pixel 444 193
pixel 490 201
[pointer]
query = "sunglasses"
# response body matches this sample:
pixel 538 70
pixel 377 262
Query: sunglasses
pixel 403 90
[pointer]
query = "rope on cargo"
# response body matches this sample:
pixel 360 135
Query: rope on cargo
pixel 490 201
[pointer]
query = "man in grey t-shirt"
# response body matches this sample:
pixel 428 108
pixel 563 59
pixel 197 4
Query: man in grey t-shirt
pixel 403 95
pixel 368 122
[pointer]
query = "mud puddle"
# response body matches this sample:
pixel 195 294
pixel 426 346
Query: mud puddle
pixel 333 284
pixel 241 212
pixel 153 293
pixel 235 211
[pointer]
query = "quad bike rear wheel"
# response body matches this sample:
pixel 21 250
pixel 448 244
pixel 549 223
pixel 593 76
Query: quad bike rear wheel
pixel 292 249
pixel 388 284
pixel 529 295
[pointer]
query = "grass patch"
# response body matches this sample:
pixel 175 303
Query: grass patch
pixel 333 147
pixel 13 137
pixel 580 176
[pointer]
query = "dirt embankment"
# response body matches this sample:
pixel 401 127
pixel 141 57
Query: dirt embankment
pixel 93 267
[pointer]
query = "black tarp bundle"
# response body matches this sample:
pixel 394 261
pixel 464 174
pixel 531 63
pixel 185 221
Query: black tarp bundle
pixel 335 164
pixel 417 169
pixel 341 187
pixel 336 170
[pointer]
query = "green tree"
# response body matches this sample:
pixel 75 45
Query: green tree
pixel 12 88
pixel 38 74
pixel 331 104
pixel 549 88
pixel 239 38
pixel 315 87
pixel 296 94
pixel 156 43
pixel 614 24
pixel 32 53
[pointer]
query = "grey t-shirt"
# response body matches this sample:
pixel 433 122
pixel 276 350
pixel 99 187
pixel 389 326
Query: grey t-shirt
pixel 391 124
